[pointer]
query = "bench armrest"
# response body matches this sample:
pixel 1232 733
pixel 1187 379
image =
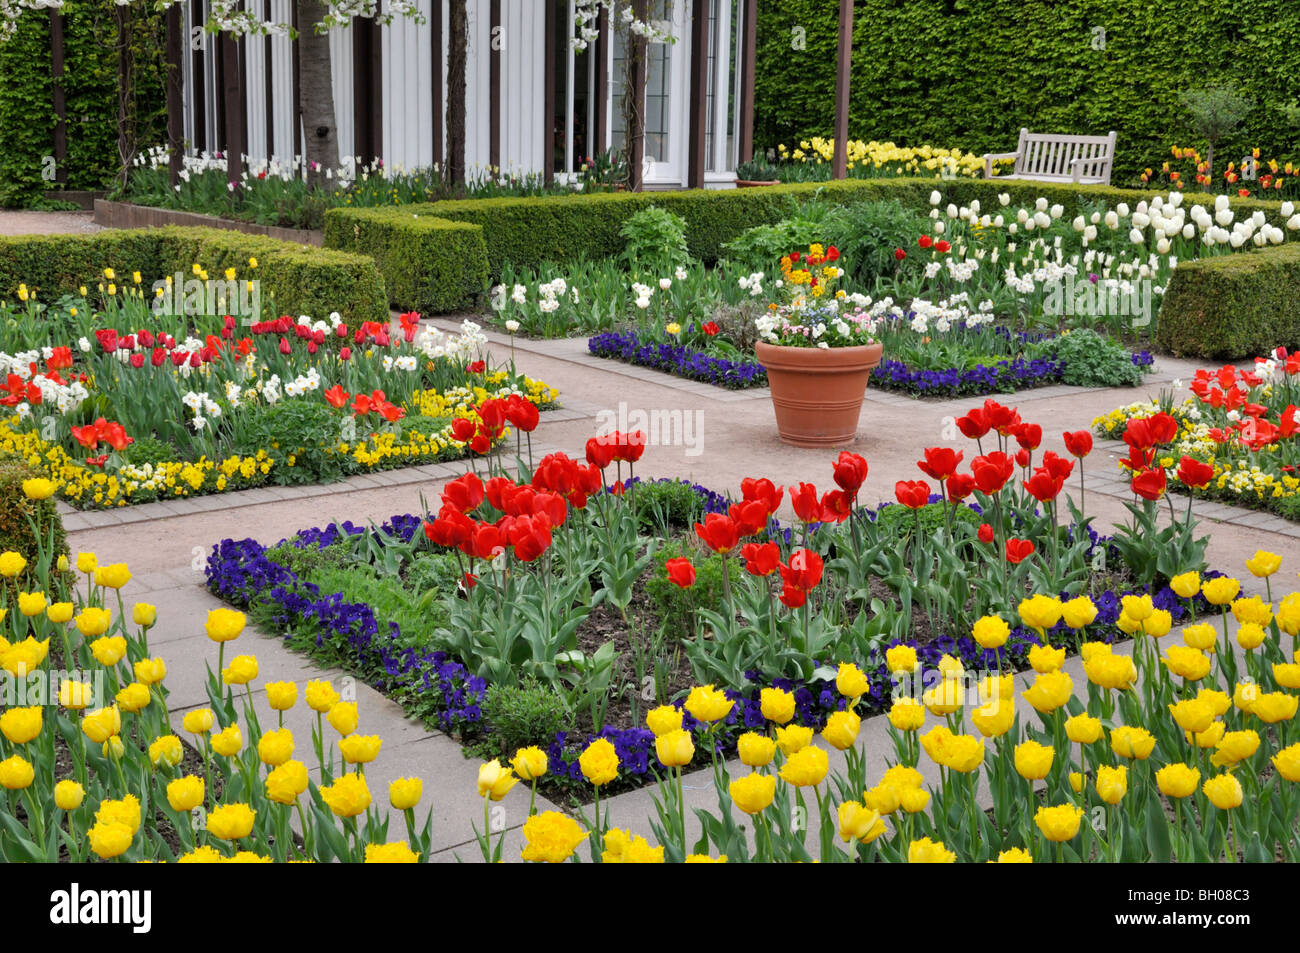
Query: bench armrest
pixel 1076 165
pixel 991 157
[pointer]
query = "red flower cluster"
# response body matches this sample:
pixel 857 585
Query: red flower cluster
pixel 102 431
pixel 615 447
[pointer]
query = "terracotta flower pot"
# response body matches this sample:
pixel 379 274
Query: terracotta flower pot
pixel 817 392
pixel 755 183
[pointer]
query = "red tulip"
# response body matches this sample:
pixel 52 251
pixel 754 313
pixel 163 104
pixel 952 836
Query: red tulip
pixel 718 532
pixel 959 486
pixel 940 462
pixel 942 247
pixel 899 254
pixel 137 361
pixel 806 504
pixel 523 415
pixel 793 597
pixel 462 429
pixel 750 516
pixel 913 494
pixel 336 396
pixel 465 493
pixel 764 491
pixel 992 471
pixel 985 533
pixel 804 571
pixel 1042 486
pixel 285 346
pixel 1022 458
pixel 1057 465
pixel 761 559
pixel 1195 474
pixel 1018 549
pixel 836 506
pixel 600 452
pixel 1029 436
pixel 850 472
pixel 680 572
pixel 925 241
pixel 1001 418
pixel 1150 484
pixel 974 425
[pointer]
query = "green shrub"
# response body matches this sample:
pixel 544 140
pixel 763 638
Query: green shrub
pixel 295 279
pixel 674 605
pixel 529 713
pixel 305 432
pixel 1092 360
pixel 429 264
pixel 898 522
pixel 1232 306
pixel 150 451
pixel 17 516
pixel 662 507
pixel 654 242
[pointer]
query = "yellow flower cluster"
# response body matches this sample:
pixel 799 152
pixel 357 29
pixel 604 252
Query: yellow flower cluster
pixel 900 160
pixel 89 487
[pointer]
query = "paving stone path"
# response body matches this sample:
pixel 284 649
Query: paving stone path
pixel 734 437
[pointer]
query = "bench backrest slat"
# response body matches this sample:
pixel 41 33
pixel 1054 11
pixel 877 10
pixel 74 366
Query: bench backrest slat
pixel 1053 155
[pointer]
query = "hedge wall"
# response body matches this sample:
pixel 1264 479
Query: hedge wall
pixel 296 279
pixel 970 73
pixel 431 265
pixel 27 118
pixel 527 232
pixel 1233 306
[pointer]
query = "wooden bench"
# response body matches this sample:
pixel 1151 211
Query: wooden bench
pixel 1044 157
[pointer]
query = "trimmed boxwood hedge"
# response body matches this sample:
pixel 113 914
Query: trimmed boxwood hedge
pixel 1233 306
pixel 1229 306
pixel 296 279
pixel 429 264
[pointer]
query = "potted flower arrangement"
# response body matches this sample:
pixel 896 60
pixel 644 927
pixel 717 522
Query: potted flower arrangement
pixel 818 356
pixel 756 172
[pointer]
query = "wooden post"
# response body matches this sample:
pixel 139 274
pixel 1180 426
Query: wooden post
pixel 548 93
pixel 268 59
pixel 232 83
pixel 297 89
pixel 841 162
pixel 439 66
pixel 175 107
pixel 699 109
pixel 125 91
pixel 367 89
pixel 59 97
pixel 637 53
pixel 748 55
pixel 599 141
pixel 495 39
pixel 199 91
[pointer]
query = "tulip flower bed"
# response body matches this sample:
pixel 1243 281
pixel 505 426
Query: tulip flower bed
pixel 554 588
pixel 118 403
pixel 1201 762
pixel 1234 439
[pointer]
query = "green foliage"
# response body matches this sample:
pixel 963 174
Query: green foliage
pixel 674 605
pixel 390 600
pixel 27 118
pixel 969 74
pixel 17 514
pixel 304 561
pixel 654 241
pixel 300 429
pixel 664 507
pixel 1232 306
pixel 524 714
pixel 1092 360
pixel 295 279
pixel 898 522
pixel 150 451
pixel 429 264
pixel 1216 111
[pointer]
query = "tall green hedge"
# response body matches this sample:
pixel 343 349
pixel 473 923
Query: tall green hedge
pixel 1233 306
pixel 27 119
pixel 970 73
pixel 430 264
pixel 296 279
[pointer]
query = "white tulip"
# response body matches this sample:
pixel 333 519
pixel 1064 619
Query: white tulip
pixel 1057 211
pixel 1220 202
pixel 1223 216
pixel 1078 223
pixel 935 197
pixel 1041 204
pixel 1287 209
pixel 1022 216
pixel 1141 220
pixel 1095 217
pixel 1122 209
pixel 951 210
pixel 1090 233
pixel 1162 245
pixel 1112 220
pixel 1136 237
pixel 938 228
pixel 1004 199
pixel 1293 222
pixel 1042 219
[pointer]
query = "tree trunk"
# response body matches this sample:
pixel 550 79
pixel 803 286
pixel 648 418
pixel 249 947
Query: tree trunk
pixel 315 82
pixel 457 56
pixel 126 145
